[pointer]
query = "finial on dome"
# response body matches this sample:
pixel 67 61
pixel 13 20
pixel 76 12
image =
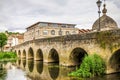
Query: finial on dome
pixel 104 11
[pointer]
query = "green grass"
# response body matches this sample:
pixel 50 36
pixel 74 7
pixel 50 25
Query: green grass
pixel 92 65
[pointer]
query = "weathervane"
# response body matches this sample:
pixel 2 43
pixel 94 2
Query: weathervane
pixel 99 5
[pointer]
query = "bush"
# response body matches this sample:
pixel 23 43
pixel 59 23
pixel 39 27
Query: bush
pixel 92 65
pixel 7 55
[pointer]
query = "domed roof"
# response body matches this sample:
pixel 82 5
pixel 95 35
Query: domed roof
pixel 106 22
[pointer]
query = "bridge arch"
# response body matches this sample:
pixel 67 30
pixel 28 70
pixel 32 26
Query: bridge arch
pixel 76 56
pixel 53 56
pixel 114 60
pixel 24 54
pixel 39 55
pixel 30 53
pixel 19 53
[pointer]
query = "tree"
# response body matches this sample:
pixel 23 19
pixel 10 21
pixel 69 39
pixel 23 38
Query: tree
pixel 3 40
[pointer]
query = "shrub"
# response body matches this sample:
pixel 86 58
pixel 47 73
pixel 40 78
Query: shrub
pixel 7 55
pixel 92 65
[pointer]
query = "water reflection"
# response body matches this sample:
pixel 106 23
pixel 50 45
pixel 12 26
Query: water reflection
pixel 2 72
pixel 39 66
pixel 30 65
pixel 53 70
pixel 24 63
pixel 37 70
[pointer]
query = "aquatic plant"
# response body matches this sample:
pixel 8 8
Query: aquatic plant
pixel 92 65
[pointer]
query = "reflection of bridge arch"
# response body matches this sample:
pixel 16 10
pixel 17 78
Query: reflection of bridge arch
pixel 39 66
pixel 24 54
pixel 39 55
pixel 30 53
pixel 30 65
pixel 53 56
pixel 77 56
pixel 53 71
pixel 114 61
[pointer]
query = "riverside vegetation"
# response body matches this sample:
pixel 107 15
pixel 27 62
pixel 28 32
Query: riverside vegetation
pixel 92 65
pixel 6 56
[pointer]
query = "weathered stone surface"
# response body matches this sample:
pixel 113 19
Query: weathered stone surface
pixel 71 49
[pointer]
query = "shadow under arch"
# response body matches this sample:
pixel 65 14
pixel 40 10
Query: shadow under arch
pixel 76 56
pixel 39 55
pixel 30 53
pixel 19 54
pixel 24 54
pixel 53 56
pixel 114 60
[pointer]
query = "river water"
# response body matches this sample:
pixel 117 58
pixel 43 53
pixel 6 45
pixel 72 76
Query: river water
pixel 37 70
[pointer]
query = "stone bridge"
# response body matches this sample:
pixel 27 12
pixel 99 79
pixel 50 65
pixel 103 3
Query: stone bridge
pixel 71 49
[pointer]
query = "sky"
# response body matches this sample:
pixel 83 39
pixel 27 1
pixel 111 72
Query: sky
pixel 17 15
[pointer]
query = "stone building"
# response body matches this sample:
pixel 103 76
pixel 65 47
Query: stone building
pixel 49 29
pixel 106 22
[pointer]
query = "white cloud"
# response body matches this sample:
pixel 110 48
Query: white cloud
pixel 16 15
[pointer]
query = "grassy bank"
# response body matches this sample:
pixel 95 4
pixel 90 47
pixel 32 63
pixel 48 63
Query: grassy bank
pixel 7 56
pixel 92 65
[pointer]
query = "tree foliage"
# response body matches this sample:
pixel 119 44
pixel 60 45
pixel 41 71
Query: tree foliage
pixel 3 40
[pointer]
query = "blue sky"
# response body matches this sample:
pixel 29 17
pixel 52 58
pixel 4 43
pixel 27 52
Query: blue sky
pixel 16 15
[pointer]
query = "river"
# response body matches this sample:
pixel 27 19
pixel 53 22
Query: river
pixel 37 70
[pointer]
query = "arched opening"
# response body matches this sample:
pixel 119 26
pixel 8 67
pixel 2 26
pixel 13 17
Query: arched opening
pixel 77 56
pixel 30 53
pixel 19 54
pixel 115 60
pixel 39 55
pixel 53 56
pixel 24 54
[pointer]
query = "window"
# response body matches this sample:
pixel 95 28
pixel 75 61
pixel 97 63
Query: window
pixel 67 33
pixel 54 25
pixel 37 32
pixel 45 32
pixel 60 32
pixel 43 24
pixel 53 32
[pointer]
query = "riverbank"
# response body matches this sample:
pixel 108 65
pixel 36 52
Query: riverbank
pixel 7 56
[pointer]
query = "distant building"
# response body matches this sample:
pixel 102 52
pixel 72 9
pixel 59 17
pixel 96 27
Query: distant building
pixel 49 29
pixel 13 39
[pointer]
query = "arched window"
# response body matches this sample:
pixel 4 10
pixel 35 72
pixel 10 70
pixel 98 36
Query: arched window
pixel 53 32
pixel 67 33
